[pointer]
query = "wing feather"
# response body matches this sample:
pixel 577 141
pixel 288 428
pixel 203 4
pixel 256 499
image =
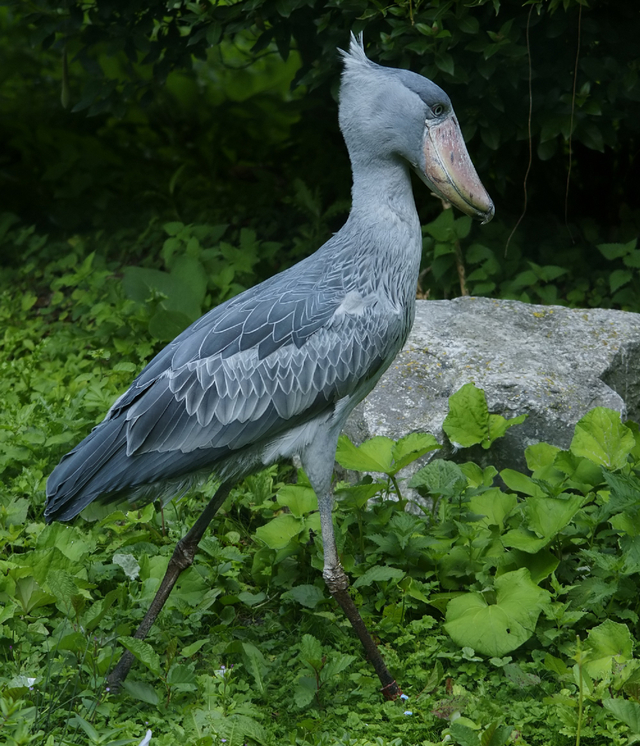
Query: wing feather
pixel 245 373
pixel 235 400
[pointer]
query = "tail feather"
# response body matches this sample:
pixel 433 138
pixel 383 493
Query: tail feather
pixel 90 470
pixel 98 468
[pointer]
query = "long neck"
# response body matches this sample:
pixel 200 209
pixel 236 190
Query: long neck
pixel 382 235
pixel 381 186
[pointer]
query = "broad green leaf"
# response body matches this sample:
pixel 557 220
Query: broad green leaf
pixel 625 710
pixel 499 628
pixel 496 735
pixel 435 677
pixel 311 652
pixel 607 643
pixel 192 649
pixel 86 727
pixel 305 691
pixel 442 227
pixel 42 561
pixel 632 259
pixel 300 499
pixel 445 62
pixel 625 491
pixel 515 674
pixel 494 505
pixel 172 229
pixel 498 426
pixel 469 24
pixel 413 589
pixel 14 510
pixel 630 546
pixel 62 585
pixel 140 284
pixel 7 611
pixel 142 516
pixel 412 447
pixel 524 540
pixel 181 675
pixel 581 471
pixel 375 454
pixel 96 612
pixel 628 525
pixel 336 665
pixel 520 483
pixel 476 476
pixel 312 523
pixel 278 532
pixel 252 599
pixel 556 665
pixel 72 542
pixel 467 423
pixel 192 274
pixel 440 478
pixel 306 595
pixel 76 642
pixel 616 250
pixel 464 735
pixel 462 226
pixel 619 278
pixel 358 494
pixel 546 516
pixel 125 367
pixel 379 574
pixel 540 564
pixel 29 595
pixel 144 653
pixel 165 325
pixel 601 437
pixel 238 729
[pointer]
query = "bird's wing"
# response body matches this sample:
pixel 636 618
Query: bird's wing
pixel 255 368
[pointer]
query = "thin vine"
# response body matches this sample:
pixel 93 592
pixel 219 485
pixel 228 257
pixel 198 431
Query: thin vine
pixel 526 176
pixel 573 106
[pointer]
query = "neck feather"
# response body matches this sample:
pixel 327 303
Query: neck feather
pixel 382 185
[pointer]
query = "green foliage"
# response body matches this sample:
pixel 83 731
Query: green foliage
pixel 498 628
pixel 213 114
pixel 201 271
pixel 68 592
pixel 469 421
pixel 505 604
pixel 480 583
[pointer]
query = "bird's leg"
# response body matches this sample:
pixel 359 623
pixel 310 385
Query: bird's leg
pixel 338 584
pixel 182 558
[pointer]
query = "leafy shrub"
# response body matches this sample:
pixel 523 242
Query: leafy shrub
pixel 476 595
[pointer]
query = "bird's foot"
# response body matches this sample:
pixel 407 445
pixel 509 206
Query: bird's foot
pixel 391 691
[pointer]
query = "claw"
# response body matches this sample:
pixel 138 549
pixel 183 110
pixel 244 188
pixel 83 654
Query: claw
pixel 391 691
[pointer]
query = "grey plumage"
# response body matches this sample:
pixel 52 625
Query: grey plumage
pixel 277 370
pixel 265 374
pixel 264 362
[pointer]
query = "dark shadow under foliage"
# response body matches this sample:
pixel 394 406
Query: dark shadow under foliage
pixel 227 115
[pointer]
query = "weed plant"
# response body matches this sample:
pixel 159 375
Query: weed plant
pixel 505 604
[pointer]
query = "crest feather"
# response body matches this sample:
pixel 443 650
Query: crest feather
pixel 355 54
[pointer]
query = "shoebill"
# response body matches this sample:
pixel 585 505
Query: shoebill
pixel 274 372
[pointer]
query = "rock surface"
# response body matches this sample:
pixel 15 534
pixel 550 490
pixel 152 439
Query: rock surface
pixel 549 362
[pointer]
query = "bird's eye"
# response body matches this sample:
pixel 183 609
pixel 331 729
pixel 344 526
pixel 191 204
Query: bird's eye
pixel 438 110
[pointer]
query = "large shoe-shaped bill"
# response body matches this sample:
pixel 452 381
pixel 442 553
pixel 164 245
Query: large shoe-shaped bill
pixel 448 170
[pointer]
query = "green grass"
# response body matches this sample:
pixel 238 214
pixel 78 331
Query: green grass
pixel 506 608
